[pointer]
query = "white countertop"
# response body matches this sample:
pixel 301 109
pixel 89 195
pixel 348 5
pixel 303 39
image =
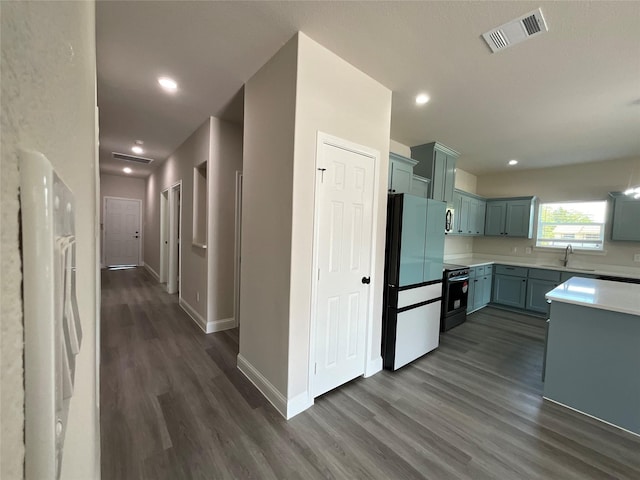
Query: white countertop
pixel 611 270
pixel 602 294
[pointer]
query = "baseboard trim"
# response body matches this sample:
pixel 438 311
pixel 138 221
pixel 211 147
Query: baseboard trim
pixel 372 367
pixel 271 393
pixel 298 404
pixel 195 316
pixel 153 273
pixel 219 325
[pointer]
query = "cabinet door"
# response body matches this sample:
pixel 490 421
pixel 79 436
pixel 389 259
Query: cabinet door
pixel 486 289
pixel 456 202
pixel 437 182
pixel 510 291
pixel 471 294
pixel 449 178
pixel 626 219
pixel 518 220
pixel 536 290
pixel 495 215
pixel 413 239
pixel 479 292
pixel 419 186
pixel 434 243
pixel 480 216
pixel 401 174
pixel 465 215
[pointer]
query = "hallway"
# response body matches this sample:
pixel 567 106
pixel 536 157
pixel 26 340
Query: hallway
pixel 174 406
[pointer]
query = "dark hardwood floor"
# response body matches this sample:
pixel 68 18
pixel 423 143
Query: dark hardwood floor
pixel 174 406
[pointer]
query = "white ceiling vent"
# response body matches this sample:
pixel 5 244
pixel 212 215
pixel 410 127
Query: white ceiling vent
pixel 516 31
pixel 131 158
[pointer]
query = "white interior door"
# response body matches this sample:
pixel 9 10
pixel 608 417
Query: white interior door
pixel 344 213
pixel 122 231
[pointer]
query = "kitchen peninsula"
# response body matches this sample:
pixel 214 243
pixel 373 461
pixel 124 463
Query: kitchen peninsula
pixel 593 350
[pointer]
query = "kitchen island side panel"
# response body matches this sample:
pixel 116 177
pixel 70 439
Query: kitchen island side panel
pixel 593 363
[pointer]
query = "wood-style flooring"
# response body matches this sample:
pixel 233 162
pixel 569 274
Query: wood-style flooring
pixel 174 406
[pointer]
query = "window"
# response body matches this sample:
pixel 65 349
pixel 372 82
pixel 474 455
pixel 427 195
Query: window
pixel 580 224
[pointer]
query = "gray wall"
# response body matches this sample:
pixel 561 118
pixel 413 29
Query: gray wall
pixel 48 104
pixel 269 123
pixel 179 167
pixel 209 272
pixel 303 89
pixel 225 159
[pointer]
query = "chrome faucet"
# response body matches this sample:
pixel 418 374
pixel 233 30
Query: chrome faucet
pixel 567 251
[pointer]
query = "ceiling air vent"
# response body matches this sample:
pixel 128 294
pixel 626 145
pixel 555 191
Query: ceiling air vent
pixel 516 31
pixel 131 158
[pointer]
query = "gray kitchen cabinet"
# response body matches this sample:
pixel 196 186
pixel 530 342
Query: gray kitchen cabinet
pixel 510 286
pixel 512 217
pixel 419 186
pixel 469 212
pixel 625 219
pixel 471 292
pixel 476 216
pixel 479 287
pixel 437 163
pixel 495 217
pixel 487 282
pixel 400 173
pixel 536 291
pixel 456 202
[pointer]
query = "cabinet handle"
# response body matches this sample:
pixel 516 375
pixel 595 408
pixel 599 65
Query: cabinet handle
pixel 524 279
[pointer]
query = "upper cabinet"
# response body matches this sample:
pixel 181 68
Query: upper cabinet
pixel 626 218
pixel 437 163
pixel 400 173
pixel 511 217
pixel 469 212
pixel 419 186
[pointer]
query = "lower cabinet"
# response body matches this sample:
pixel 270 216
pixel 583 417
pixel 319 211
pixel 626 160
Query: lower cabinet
pixel 536 291
pixel 479 287
pixel 510 291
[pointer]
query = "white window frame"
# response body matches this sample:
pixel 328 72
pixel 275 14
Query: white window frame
pixel 568 241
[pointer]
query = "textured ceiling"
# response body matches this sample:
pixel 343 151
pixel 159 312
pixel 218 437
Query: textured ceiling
pixel 569 96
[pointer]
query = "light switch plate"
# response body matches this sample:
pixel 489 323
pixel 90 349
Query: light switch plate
pixel 636 257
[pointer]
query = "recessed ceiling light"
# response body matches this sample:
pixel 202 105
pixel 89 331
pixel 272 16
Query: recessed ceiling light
pixel 137 149
pixel 168 84
pixel 126 170
pixel 513 162
pixel 422 99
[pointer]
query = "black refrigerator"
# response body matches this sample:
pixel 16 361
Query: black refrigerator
pixel 413 278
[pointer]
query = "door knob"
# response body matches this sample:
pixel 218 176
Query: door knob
pixel 366 280
pixel 135 236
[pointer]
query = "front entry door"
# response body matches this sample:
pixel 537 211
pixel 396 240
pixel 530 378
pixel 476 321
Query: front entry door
pixel 122 235
pixel 344 232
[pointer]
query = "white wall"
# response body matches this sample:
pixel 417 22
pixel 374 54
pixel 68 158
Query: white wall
pixel 123 187
pixel 48 104
pixel 588 181
pixel 269 121
pixel 335 98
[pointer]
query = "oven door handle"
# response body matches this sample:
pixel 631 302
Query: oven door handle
pixel 457 279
